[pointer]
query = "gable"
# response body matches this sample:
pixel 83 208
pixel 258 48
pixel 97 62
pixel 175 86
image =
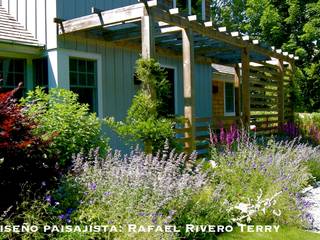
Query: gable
pixel 11 31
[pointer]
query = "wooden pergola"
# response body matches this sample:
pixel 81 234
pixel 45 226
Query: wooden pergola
pixel 153 29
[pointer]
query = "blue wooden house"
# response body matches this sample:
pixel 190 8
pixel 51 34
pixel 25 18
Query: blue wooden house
pixel 90 47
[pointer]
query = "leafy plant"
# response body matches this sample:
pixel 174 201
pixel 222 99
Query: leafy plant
pixel 146 118
pixel 58 113
pixel 136 189
pixel 274 168
pixel 24 161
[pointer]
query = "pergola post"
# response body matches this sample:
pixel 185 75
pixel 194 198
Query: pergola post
pixel 189 84
pixel 147 36
pixel 280 94
pixel 245 59
pixel 237 86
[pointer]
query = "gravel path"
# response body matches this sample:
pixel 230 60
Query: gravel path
pixel 312 197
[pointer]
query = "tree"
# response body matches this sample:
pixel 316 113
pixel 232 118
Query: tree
pixel 292 25
pixel 24 161
pixel 146 119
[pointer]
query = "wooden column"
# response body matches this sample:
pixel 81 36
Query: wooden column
pixel 280 94
pixel 147 36
pixel 189 83
pixel 237 86
pixel 245 59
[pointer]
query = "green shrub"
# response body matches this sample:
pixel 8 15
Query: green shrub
pixel 277 171
pixel 309 125
pixel 59 114
pixel 146 119
pixel 314 168
pixel 252 183
pixel 23 157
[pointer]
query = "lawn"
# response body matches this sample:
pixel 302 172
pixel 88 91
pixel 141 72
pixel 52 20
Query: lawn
pixel 283 234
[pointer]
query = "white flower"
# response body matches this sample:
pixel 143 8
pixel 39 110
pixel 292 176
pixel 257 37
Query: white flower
pixel 213 164
pixel 277 213
pixel 243 207
pixel 253 127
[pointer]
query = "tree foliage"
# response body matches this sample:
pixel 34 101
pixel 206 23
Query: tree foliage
pixel 24 161
pixel 292 25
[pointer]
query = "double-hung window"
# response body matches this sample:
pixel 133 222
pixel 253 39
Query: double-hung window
pixel 12 72
pixel 83 80
pixel 229 99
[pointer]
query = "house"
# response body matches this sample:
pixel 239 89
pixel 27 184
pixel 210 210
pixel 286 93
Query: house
pixel 90 47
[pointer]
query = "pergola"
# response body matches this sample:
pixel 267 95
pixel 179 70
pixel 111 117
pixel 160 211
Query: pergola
pixel 153 28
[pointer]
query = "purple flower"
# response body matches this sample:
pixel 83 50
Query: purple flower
pixel 154 220
pixel 107 194
pixel 93 186
pixel 141 214
pixel 48 198
pixel 61 217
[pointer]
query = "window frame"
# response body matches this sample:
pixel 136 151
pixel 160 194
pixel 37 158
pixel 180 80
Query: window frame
pixel 233 113
pixel 174 68
pixel 25 85
pixel 93 87
pixel 63 61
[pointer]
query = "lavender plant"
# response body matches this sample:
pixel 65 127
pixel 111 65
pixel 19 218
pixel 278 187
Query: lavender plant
pixel 277 167
pixel 135 189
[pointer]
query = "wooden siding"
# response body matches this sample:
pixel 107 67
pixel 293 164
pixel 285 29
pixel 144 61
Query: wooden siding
pixel 118 67
pixel 36 16
pixel 76 8
pixel 218 99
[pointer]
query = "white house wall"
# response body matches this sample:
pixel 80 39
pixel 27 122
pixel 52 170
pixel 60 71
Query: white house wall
pixel 36 16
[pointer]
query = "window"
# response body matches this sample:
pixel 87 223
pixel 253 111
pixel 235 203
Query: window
pixel 40 72
pixel 83 80
pixel 229 99
pixel 12 72
pixel 169 99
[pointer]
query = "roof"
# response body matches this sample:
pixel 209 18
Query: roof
pixel 223 69
pixel 11 31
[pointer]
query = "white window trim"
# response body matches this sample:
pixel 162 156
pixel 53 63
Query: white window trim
pixel 64 68
pixel 175 85
pixel 229 114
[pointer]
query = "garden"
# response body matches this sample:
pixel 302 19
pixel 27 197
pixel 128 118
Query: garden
pixel 61 180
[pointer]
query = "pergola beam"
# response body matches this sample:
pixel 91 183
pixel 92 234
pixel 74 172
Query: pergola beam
pixel 113 16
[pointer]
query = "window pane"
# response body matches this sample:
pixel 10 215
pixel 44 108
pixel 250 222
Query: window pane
pixel 9 81
pixel 229 97
pixel 90 67
pixel 86 96
pixel 73 65
pixel 19 78
pixel 40 71
pixel 18 65
pixel 82 79
pixel 91 80
pixel 73 78
pixel 82 66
